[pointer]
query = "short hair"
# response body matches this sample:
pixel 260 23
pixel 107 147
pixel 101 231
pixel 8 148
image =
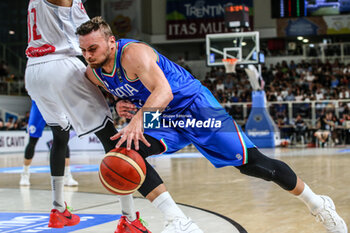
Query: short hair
pixel 94 24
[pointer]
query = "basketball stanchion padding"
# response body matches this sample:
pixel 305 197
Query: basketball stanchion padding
pixel 122 171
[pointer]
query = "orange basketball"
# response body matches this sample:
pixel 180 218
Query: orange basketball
pixel 122 171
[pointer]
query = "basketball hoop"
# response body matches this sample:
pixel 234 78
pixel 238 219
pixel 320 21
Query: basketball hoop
pixel 230 64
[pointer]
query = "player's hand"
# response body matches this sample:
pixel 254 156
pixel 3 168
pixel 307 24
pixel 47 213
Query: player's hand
pixel 125 108
pixel 132 132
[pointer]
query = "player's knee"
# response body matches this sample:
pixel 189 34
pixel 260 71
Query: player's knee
pixel 59 135
pixel 258 165
pixel 29 151
pixel 263 167
pixel 151 182
pixel 258 171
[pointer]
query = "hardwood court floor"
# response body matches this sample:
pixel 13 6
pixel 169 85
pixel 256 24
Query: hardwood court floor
pixel 257 205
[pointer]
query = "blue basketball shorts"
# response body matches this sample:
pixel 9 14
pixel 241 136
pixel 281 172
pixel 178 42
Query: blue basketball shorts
pixel 36 123
pixel 207 125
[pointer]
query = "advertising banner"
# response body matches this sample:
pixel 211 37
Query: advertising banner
pixel 311 26
pixel 13 141
pixel 189 19
pixel 16 141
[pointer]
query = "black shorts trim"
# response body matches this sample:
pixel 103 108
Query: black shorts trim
pixel 97 128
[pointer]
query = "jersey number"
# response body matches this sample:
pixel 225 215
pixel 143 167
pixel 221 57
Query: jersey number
pixel 35 34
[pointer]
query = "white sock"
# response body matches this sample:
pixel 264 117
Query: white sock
pixel 165 203
pixel 128 206
pixel 67 171
pixel 26 169
pixel 57 185
pixel 311 200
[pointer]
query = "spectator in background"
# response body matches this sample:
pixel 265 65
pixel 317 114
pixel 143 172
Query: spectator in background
pixel 299 95
pixel 220 85
pixel 334 81
pixel 282 124
pixel 228 83
pixel 292 65
pixel 290 96
pixel 300 127
pixel 336 131
pixel 325 124
pixel 344 93
pixel 10 124
pixel 24 121
pixel 346 127
pixel 281 110
pixel 319 94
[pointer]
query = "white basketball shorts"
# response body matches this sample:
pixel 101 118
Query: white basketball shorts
pixel 66 97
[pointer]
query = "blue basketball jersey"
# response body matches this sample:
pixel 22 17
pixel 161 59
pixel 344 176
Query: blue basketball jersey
pixel 36 122
pixel 184 86
pixel 211 129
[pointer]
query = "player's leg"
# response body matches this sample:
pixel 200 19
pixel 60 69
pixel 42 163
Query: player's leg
pixel 52 98
pixel 72 101
pixel 36 125
pixel 59 216
pixel 68 177
pixel 28 157
pixel 228 145
pixel 172 141
pixel 153 187
pixel 322 207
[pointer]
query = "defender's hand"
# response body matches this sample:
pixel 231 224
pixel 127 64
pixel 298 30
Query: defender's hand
pixel 125 108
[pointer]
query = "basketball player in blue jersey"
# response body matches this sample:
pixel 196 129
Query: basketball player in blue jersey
pixel 36 125
pixel 148 83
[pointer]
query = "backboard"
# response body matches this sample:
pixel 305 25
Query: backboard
pixel 244 46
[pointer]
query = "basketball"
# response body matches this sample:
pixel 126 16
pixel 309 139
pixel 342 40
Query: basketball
pixel 122 171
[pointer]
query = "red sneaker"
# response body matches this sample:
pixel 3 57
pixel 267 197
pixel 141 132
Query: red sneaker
pixel 136 226
pixel 59 220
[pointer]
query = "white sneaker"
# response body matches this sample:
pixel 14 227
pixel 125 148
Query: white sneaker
pixel 181 225
pixel 24 179
pixel 69 181
pixel 329 217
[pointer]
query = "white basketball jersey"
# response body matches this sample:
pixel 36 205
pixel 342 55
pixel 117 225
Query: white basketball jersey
pixel 51 30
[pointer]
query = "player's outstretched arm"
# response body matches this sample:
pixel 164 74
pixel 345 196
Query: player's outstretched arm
pixel 140 61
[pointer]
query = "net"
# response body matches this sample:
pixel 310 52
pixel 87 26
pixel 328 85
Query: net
pixel 230 64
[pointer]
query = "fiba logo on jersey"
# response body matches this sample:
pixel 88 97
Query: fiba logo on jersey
pixel 151 120
pixel 32 129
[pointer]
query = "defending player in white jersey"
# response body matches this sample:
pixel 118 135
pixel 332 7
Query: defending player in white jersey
pixel 55 80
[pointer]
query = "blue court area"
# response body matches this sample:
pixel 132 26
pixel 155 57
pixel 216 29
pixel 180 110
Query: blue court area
pixel 27 210
pixel 37 222
pixel 46 169
pixel 347 150
pixel 88 167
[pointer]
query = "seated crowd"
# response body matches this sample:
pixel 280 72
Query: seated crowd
pixel 304 81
